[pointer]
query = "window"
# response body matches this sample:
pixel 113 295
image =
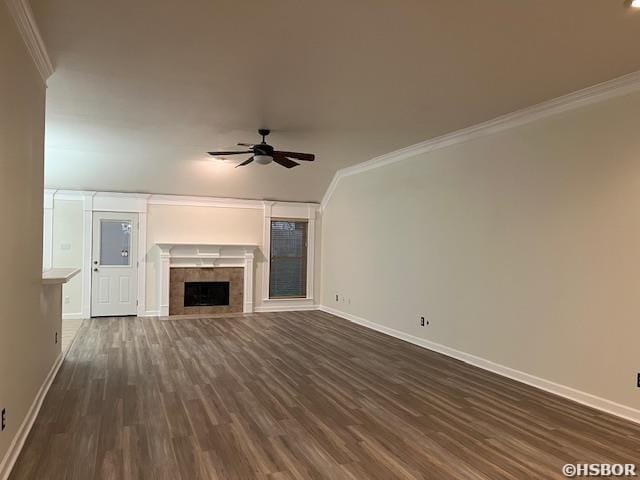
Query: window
pixel 288 267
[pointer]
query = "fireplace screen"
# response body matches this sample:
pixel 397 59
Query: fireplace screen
pixel 206 294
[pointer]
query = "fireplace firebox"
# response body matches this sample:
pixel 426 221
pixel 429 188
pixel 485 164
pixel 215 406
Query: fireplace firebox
pixel 206 294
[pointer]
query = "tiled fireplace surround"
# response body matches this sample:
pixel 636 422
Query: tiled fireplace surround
pixel 181 275
pixel 180 262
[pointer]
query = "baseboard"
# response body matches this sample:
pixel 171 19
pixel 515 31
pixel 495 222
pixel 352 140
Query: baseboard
pixel 260 309
pixel 23 432
pixel 72 316
pixel 569 393
pixel 285 308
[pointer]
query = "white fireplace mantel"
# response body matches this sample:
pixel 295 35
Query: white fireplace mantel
pixel 205 255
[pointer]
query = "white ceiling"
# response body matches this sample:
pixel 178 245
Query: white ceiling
pixel 144 88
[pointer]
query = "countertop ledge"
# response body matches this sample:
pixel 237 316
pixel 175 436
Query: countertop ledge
pixel 58 275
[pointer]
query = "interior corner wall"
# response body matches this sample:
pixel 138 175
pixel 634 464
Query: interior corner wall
pixel 27 352
pixel 521 247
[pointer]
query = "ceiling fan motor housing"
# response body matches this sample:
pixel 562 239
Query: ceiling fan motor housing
pixel 263 153
pixel 263 149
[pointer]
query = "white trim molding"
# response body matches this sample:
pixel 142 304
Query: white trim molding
pixel 28 28
pixel 185 255
pixel 286 308
pixel 311 249
pixel 71 195
pixel 185 201
pixel 109 202
pixel 87 246
pixel 120 202
pixel 138 202
pixel 613 88
pixel 569 393
pixel 23 432
pixel 142 263
pixel 266 249
pixel 282 210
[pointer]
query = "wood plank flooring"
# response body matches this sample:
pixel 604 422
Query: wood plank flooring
pixel 297 396
pixel 69 329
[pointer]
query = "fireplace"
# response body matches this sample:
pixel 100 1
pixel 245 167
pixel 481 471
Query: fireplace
pixel 206 290
pixel 206 294
pixel 190 262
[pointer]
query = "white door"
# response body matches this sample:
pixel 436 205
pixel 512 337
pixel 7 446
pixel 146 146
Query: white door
pixel 114 266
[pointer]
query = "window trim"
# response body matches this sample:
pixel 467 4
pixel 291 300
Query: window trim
pixel 287 211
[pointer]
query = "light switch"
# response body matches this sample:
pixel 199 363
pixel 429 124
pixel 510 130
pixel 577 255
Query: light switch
pixel 65 246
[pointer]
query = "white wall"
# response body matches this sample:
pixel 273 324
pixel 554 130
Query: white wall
pixel 27 349
pixel 186 224
pixel 67 250
pixel 169 224
pixel 522 248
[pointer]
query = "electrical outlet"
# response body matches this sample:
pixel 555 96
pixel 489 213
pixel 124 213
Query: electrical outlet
pixel 422 321
pixel 4 419
pixel 337 298
pixel 56 340
pixel 67 300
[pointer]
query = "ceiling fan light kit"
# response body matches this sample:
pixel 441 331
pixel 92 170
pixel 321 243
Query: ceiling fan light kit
pixel 263 159
pixel 264 154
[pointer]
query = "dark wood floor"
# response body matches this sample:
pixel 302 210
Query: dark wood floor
pixel 297 395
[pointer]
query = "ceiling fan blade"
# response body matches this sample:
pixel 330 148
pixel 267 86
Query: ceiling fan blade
pixel 247 144
pixel 215 154
pixel 307 157
pixel 284 161
pixel 246 162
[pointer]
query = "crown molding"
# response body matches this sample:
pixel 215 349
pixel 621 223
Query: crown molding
pixel 28 28
pixel 66 194
pixel 220 202
pixel 187 201
pixel 613 88
pixel 177 200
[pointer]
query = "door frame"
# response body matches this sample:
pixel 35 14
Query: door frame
pixel 98 217
pixel 120 203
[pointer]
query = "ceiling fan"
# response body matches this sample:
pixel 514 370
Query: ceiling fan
pixel 263 153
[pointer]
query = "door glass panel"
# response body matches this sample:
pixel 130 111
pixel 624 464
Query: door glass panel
pixel 115 242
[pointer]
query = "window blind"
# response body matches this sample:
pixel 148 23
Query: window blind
pixel 288 269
